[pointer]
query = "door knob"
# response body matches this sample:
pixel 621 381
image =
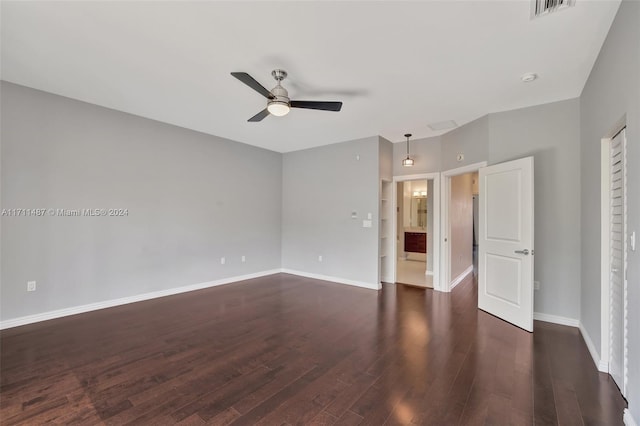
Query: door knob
pixel 525 251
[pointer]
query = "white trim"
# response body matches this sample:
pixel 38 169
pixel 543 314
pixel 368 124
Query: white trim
pixel 469 168
pixel 628 419
pixel 371 286
pixel 419 176
pixel 445 190
pixel 604 251
pixel 556 319
pixel 437 280
pixel 428 273
pixel 461 277
pixel 601 364
pixel 74 310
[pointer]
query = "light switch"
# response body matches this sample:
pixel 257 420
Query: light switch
pixel 369 216
pixel 366 224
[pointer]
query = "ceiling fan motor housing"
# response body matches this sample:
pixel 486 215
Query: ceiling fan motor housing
pixel 280 103
pixel 281 96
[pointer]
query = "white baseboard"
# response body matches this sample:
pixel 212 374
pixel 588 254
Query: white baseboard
pixel 628 420
pixel 332 279
pixel 601 365
pixel 44 316
pixel 460 277
pixel 556 319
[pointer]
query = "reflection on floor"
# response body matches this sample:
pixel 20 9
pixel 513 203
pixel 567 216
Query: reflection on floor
pixel 413 272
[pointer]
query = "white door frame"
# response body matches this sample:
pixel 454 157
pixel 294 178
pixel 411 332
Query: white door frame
pixel 436 222
pixel 605 285
pixel 445 247
pixel 604 255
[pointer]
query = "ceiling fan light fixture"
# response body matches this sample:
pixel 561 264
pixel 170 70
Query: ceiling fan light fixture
pixel 278 101
pixel 407 162
pixel 278 108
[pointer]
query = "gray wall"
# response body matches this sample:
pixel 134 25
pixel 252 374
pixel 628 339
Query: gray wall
pixel 551 134
pixel 385 158
pixel 321 188
pixel 612 91
pixel 192 198
pixel 472 140
pixel 425 152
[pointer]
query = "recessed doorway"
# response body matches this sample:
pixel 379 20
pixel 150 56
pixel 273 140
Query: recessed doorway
pixel 459 247
pixel 415 224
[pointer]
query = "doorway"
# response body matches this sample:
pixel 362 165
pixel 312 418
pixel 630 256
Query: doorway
pixel 459 224
pixel 416 223
pixel 414 230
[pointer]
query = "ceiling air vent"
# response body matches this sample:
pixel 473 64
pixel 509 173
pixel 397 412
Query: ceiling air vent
pixel 545 7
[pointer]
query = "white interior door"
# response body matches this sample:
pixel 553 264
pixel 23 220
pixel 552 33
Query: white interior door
pixel 617 258
pixel 505 261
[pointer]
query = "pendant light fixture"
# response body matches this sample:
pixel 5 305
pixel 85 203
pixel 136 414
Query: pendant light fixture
pixel 407 162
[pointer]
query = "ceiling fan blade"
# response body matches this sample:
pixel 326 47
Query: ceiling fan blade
pixel 259 116
pixel 324 106
pixel 251 82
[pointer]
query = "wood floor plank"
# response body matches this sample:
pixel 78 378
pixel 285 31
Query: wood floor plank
pixel 350 394
pixel 226 417
pixel 265 408
pixel 323 419
pixel 349 418
pixel 567 407
pixel 544 405
pixel 289 350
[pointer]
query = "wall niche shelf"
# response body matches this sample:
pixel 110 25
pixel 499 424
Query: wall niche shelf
pixel 385 247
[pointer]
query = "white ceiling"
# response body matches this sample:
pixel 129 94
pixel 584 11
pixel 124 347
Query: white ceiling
pixel 397 66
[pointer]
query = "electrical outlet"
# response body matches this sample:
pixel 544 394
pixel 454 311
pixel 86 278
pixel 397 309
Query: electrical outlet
pixel 536 285
pixel 31 286
pixel 244 259
pixel 223 260
pixel 320 258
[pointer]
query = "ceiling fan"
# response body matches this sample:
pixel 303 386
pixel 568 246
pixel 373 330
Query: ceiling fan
pixel 278 102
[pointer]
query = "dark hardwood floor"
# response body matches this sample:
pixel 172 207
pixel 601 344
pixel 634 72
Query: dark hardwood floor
pixel 289 350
